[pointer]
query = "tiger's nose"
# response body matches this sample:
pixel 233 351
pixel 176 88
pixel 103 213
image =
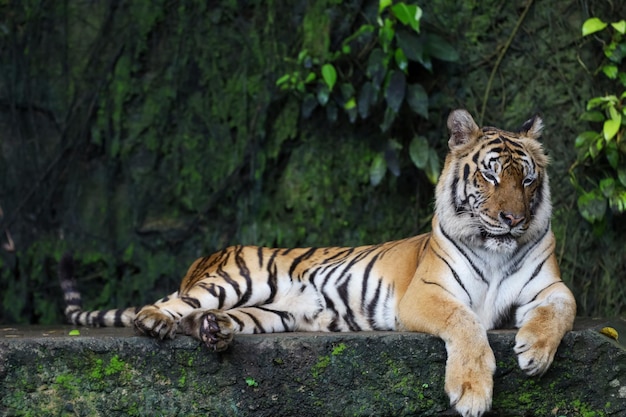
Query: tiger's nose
pixel 511 219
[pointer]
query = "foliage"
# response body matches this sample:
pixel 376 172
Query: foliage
pixel 369 75
pixel 141 135
pixel 599 173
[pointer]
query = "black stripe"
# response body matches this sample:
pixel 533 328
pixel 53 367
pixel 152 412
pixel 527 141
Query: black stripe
pixel 545 288
pixel 245 273
pixel 299 259
pixel 439 285
pixel 190 301
pixel 340 253
pixel 344 295
pixel 216 291
pixel 272 278
pixel 99 318
pixel 236 320
pixel 456 276
pixel 259 253
pixel 456 245
pixel 520 257
pixel 117 321
pixel 258 327
pixel 371 306
pixel 198 270
pixel 226 277
pixel 284 317
pixel 535 272
pixel 366 276
pixel 512 142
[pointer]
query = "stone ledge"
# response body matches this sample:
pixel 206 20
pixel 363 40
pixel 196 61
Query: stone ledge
pixel 112 372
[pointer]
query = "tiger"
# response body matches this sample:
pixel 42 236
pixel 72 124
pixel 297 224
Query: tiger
pixel 488 261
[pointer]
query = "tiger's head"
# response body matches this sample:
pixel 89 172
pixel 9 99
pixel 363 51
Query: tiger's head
pixel 493 192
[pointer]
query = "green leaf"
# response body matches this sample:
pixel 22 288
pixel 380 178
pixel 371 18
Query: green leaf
pixel 74 332
pixel 401 60
pixel 417 99
pixel 382 5
pixel 595 102
pixel 390 116
pixel 432 168
pixel 350 104
pixel 592 25
pixel 596 147
pixel 593 116
pixel 419 151
pixel 439 48
pixel 367 97
pixel 611 127
pixel 309 78
pixel 409 15
pixel 613 113
pixel 621 175
pixel 612 154
pixel 323 94
pixel 330 75
pixel 592 206
pixel 283 79
pixel 586 138
pixel 378 169
pixel 610 71
pixel 620 26
pixel 391 157
pixel 411 45
pixel 617 201
pixel 396 90
pixel 607 186
pixel 376 67
pixel 386 34
pixel 350 108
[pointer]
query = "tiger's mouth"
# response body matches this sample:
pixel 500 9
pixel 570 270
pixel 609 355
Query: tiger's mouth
pixel 503 238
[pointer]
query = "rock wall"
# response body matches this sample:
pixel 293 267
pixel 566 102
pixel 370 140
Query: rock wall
pixel 44 371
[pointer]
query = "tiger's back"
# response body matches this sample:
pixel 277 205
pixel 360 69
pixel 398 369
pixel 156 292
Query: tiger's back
pixel 489 259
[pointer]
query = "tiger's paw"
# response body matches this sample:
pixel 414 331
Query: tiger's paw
pixel 150 321
pixel 216 330
pixel 469 383
pixel 212 327
pixel 535 353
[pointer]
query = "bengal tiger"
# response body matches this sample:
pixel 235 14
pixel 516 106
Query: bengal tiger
pixel 489 260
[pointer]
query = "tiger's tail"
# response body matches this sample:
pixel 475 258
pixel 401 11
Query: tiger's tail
pixel 74 312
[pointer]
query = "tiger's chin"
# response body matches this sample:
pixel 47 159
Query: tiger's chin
pixel 505 243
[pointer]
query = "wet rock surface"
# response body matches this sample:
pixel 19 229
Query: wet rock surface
pixel 113 372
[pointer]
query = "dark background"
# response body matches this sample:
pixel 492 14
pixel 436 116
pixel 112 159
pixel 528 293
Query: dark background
pixel 141 135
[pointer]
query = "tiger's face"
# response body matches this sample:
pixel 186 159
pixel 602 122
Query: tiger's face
pixel 493 192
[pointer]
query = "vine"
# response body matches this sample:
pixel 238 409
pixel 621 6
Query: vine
pixel 599 173
pixel 367 76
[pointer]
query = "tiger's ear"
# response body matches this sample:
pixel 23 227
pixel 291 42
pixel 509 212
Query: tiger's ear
pixel 462 128
pixel 532 127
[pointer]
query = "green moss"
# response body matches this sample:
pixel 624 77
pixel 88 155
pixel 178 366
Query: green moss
pixel 116 365
pixel 320 366
pixel 338 350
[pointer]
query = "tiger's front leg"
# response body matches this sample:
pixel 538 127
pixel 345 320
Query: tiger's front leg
pixel 542 324
pixel 471 363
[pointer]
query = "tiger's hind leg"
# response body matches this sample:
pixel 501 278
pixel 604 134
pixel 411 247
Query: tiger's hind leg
pixel 216 327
